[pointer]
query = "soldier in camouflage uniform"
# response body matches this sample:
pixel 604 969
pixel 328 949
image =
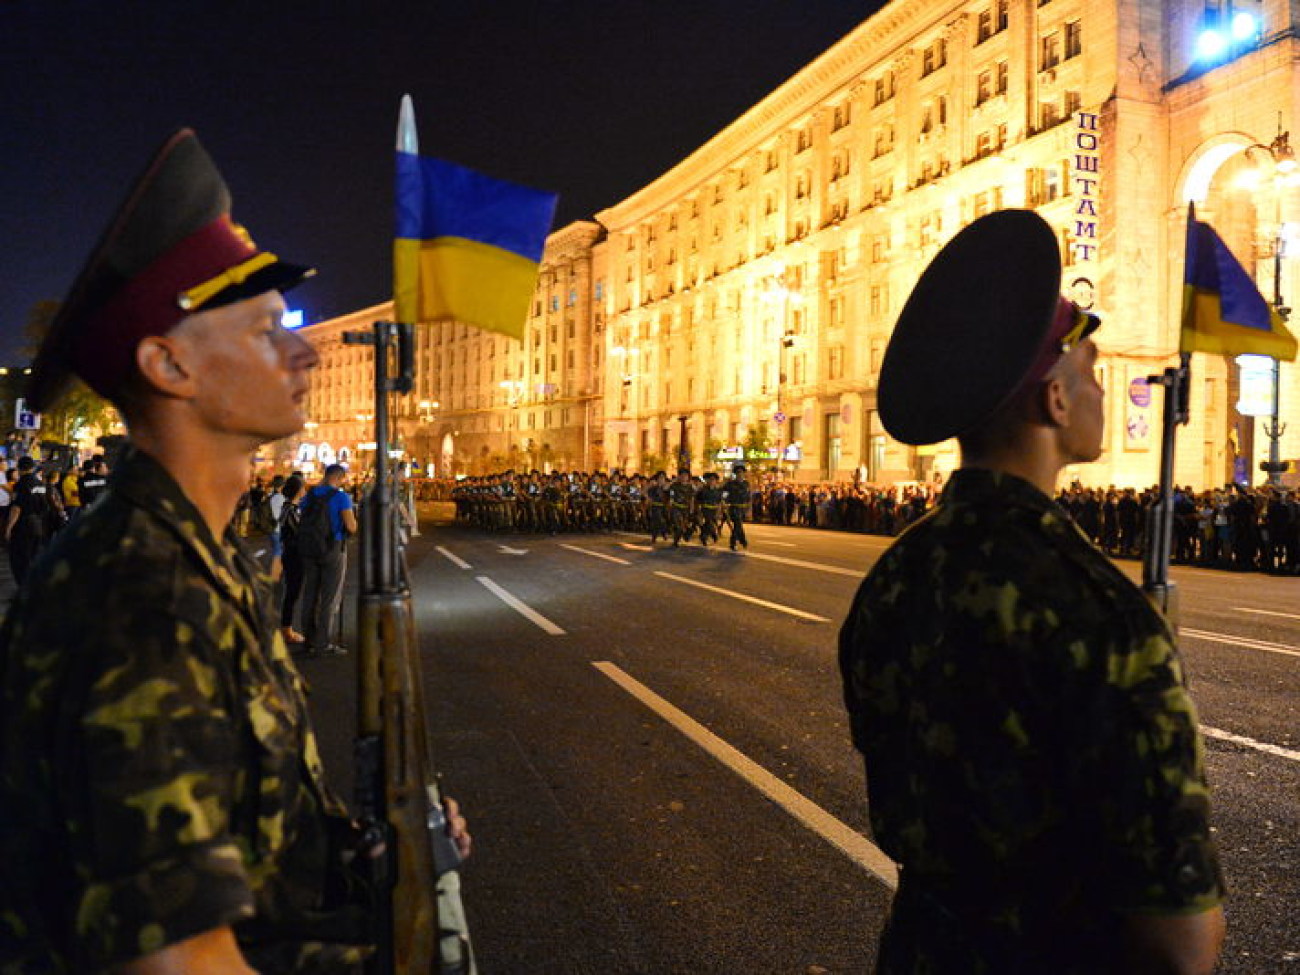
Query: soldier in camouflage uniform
pixel 1033 758
pixel 735 493
pixel 164 802
pixel 681 506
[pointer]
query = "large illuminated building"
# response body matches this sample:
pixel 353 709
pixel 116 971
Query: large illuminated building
pixel 745 297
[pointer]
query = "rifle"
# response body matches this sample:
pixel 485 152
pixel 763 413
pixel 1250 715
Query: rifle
pixel 420 921
pixel 1176 381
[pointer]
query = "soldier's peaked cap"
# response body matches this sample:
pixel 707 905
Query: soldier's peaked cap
pixel 170 250
pixel 984 320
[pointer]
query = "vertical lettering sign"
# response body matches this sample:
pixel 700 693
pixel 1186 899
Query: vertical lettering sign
pixel 1087 162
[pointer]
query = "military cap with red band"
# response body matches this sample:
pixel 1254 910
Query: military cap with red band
pixel 170 251
pixel 984 321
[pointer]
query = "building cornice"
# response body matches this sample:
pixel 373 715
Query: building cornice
pixel 867 47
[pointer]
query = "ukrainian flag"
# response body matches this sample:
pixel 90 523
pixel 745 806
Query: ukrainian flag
pixel 468 246
pixel 1223 311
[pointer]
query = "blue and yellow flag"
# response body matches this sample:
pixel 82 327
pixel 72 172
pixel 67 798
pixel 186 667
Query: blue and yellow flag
pixel 468 246
pixel 1223 311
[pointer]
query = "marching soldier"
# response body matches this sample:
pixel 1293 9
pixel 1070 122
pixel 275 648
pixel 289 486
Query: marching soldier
pixel 735 494
pixel 709 501
pixel 681 506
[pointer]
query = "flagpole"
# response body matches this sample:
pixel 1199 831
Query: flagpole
pixel 1176 381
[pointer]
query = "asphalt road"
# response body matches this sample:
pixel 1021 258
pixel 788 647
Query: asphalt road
pixel 651 748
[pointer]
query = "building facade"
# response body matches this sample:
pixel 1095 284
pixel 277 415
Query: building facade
pixel 745 297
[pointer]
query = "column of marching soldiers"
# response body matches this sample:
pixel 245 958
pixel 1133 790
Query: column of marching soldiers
pixel 676 510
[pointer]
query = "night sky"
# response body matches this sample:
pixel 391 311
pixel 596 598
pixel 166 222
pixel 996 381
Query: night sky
pixel 297 102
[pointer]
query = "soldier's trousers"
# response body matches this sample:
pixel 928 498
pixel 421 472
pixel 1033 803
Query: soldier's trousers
pixel 736 515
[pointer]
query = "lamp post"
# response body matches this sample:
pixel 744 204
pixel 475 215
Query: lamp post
pixel 1284 174
pixel 777 289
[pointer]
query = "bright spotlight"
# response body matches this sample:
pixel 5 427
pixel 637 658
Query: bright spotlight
pixel 1244 26
pixel 1210 45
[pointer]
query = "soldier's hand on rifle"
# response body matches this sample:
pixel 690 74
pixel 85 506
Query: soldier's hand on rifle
pixel 457 827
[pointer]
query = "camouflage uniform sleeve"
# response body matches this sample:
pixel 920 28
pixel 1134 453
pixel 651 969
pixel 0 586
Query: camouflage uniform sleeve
pixel 153 840
pixel 1143 759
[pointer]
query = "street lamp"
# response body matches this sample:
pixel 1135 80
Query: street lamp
pixel 1285 173
pixel 778 290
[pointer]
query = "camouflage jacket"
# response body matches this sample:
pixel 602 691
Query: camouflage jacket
pixel 158 773
pixel 1033 759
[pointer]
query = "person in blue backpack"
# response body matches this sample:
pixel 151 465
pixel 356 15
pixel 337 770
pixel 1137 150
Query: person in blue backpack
pixel 327 518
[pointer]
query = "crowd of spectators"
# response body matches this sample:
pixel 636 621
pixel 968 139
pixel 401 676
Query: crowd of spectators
pixel 1236 528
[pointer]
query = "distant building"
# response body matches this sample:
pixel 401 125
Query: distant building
pixel 752 288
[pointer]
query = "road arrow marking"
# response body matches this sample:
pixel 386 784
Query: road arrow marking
pixel 520 607
pixel 839 834
pixel 599 555
pixel 507 550
pixel 748 599
pixel 454 560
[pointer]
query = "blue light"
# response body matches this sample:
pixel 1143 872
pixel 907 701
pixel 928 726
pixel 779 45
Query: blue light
pixel 292 319
pixel 1245 26
pixel 1210 45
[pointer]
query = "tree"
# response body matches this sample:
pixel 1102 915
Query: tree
pixel 79 409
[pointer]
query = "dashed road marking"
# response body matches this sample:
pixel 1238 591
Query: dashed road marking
pixel 1261 746
pixel 599 555
pixel 839 834
pixel 453 559
pixel 520 607
pixel 790 610
pixel 1241 641
pixel 800 563
pixel 1267 612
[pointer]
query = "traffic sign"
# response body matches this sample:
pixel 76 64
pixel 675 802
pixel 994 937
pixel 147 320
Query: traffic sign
pixel 25 419
pixel 778 418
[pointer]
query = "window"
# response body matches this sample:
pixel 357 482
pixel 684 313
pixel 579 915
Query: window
pixel 600 289
pixel 884 88
pixel 555 302
pixel 984 86
pixel 800 187
pixel 573 297
pixel 1002 73
pixel 1049 114
pixel 842 116
pixel 1042 185
pixel 804 140
pixel 769 163
pixel 1073 39
pixel 835 362
pixel 879 300
pixel 1072 103
pixel 992 20
pixel 1049 51
pixel 884 140
pixel 934 57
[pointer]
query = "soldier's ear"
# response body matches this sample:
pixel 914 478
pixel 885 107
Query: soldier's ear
pixel 162 362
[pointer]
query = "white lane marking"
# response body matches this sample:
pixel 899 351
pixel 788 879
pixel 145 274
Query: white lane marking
pixel 800 563
pixel 599 555
pixel 637 548
pixel 1241 641
pixel 1267 612
pixel 453 559
pixel 1262 746
pixel 782 544
pixel 507 550
pixel 520 607
pixel 749 599
pixel 847 840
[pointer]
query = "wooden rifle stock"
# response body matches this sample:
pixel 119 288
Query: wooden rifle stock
pixel 420 921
